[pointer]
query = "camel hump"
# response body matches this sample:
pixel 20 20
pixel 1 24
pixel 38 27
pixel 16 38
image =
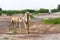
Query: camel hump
pixel 14 18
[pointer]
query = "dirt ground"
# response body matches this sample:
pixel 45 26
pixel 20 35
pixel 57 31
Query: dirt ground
pixel 37 31
pixel 30 37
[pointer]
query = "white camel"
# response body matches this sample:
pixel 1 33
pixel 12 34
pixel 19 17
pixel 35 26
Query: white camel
pixel 26 20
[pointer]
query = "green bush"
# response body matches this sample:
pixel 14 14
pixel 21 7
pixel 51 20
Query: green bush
pixel 52 21
pixel 0 9
pixel 31 16
pixel 10 12
pixel 28 10
pixel 0 12
pixel 43 10
pixel 58 7
pixel 12 28
pixel 55 10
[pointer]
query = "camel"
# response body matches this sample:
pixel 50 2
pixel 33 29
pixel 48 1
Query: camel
pixel 15 21
pixel 26 20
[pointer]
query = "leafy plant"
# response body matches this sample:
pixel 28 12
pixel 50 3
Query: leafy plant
pixel 42 10
pixel 31 16
pixel 55 10
pixel 52 21
pixel 14 30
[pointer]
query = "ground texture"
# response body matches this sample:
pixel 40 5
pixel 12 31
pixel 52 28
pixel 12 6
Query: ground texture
pixel 30 37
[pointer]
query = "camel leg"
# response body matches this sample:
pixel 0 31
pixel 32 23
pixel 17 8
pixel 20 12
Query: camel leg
pixel 11 25
pixel 17 24
pixel 27 27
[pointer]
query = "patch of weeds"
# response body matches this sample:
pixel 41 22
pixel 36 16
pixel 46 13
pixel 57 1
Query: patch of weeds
pixel 5 38
pixel 14 32
pixel 13 39
pixel 12 28
pixel 31 16
pixel 35 14
pixel 52 21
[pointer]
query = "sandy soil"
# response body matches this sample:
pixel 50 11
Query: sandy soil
pixel 30 37
pixel 37 28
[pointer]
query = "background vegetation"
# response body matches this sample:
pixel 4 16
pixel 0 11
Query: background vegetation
pixel 52 21
pixel 42 10
pixel 56 10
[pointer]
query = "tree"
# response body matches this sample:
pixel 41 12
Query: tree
pixel 59 6
pixel 10 12
pixel 0 13
pixel 28 10
pixel 31 11
pixel 42 10
pixel 55 10
pixel 0 9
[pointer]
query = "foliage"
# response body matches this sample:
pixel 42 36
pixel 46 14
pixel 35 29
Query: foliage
pixel 55 10
pixel 14 30
pixel 43 10
pixel 0 12
pixel 52 21
pixel 10 12
pixel 0 9
pixel 31 16
pixel 59 7
pixel 28 10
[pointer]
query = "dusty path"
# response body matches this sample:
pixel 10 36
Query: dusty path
pixel 30 37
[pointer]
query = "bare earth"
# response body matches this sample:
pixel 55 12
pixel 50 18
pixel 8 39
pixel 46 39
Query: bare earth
pixel 30 37
pixel 35 27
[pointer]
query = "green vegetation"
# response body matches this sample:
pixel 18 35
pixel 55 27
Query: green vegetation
pixel 55 10
pixel 43 10
pixel 6 38
pixel 0 11
pixel 14 30
pixel 10 12
pixel 52 21
pixel 58 7
pixel 31 16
